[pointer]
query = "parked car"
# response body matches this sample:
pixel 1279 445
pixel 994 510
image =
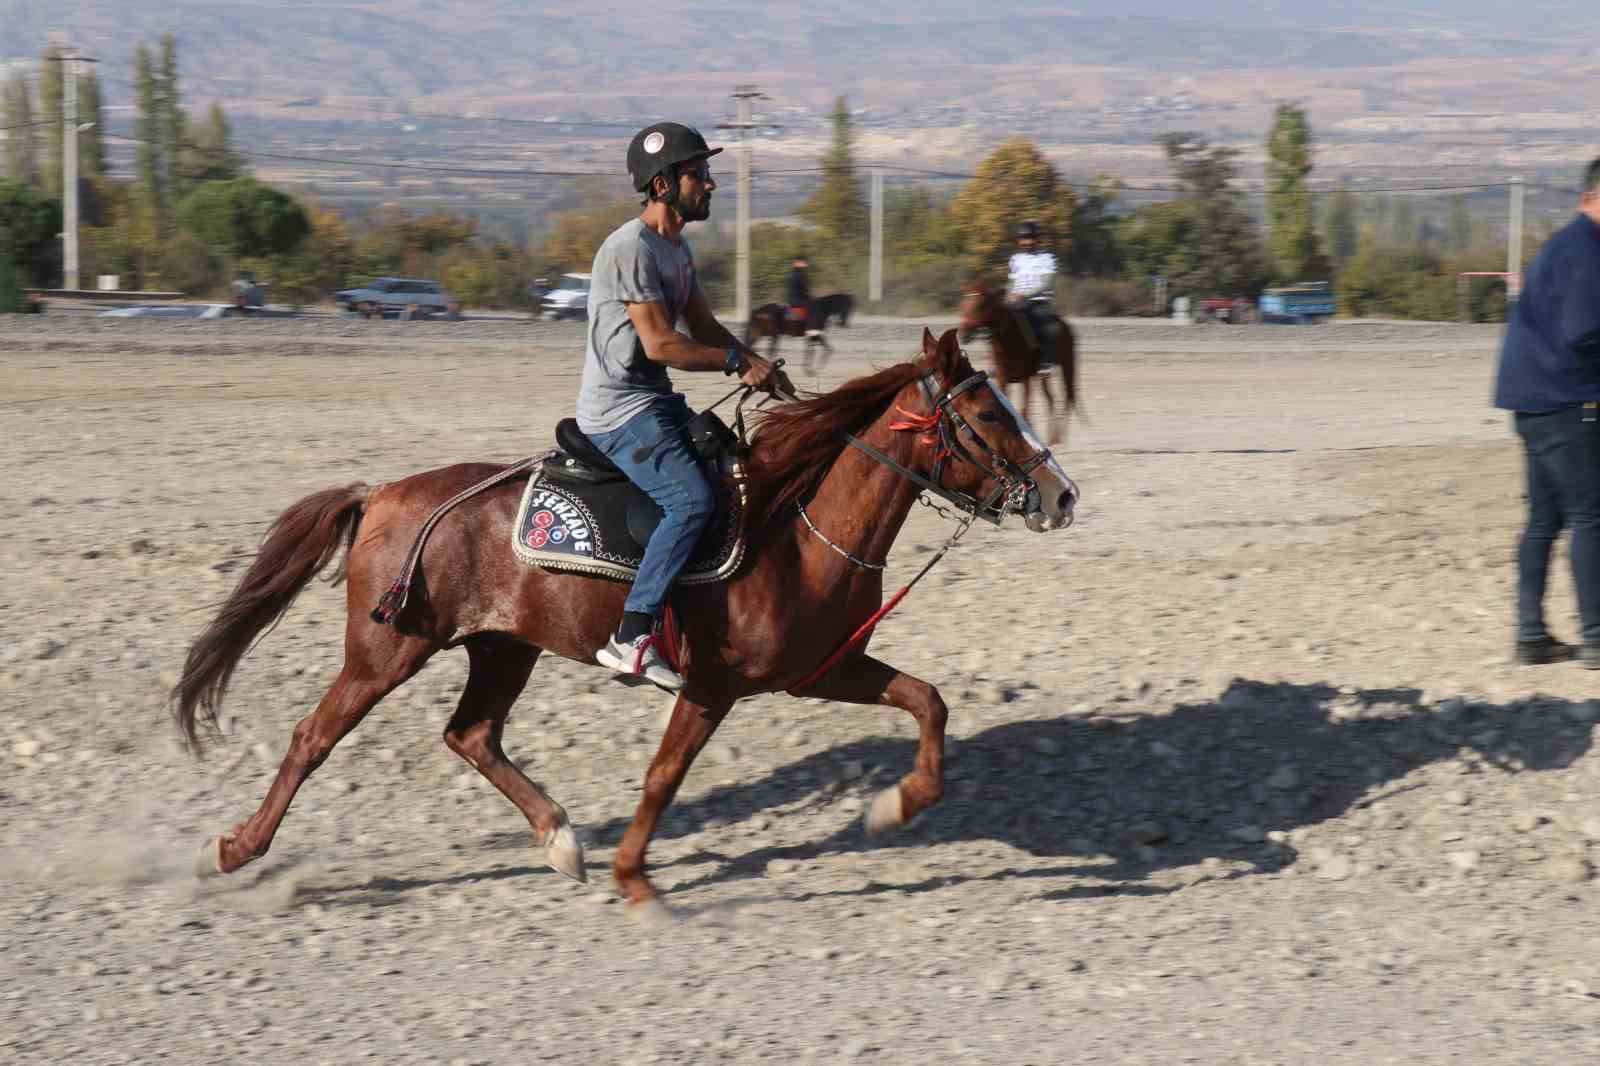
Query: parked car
pixel 393 295
pixel 169 311
pixel 1307 303
pixel 569 299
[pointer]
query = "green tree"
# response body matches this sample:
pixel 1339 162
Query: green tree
pixel 171 123
pixel 147 128
pixel 575 235
pixel 1291 209
pixel 10 291
pixel 1219 250
pixel 1016 183
pixel 243 219
pixel 209 156
pixel 22 159
pixel 1344 232
pixel 29 223
pixel 1095 251
pixel 838 209
pixel 323 263
pixel 50 105
pixel 91 142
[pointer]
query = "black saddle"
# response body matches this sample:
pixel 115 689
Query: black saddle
pixel 620 515
pixel 580 458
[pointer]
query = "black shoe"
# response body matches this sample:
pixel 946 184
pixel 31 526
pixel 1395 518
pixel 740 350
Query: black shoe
pixel 1550 650
pixel 1589 656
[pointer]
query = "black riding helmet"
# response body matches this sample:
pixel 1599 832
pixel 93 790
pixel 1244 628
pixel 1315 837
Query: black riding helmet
pixel 1028 229
pixel 660 148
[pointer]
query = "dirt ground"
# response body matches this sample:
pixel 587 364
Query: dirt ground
pixel 1240 771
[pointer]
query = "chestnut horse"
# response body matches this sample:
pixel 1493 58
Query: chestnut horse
pixel 803 590
pixel 774 321
pixel 1015 359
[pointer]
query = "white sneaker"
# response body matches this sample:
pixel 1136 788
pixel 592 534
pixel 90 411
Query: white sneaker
pixel 640 659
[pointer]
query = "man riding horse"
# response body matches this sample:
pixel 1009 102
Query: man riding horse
pixel 797 290
pixel 1032 273
pixel 643 283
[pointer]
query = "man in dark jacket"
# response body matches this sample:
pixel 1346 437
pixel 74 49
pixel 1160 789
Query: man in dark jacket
pixel 1550 377
pixel 797 290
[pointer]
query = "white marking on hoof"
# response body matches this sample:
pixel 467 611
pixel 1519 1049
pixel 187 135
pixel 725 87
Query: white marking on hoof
pixel 208 863
pixel 651 912
pixel 887 812
pixel 566 853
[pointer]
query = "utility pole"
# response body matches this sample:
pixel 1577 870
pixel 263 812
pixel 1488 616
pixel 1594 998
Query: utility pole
pixel 875 264
pixel 1514 241
pixel 69 165
pixel 744 94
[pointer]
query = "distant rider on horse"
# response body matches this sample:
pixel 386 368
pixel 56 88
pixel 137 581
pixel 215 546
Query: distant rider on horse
pixel 1033 272
pixel 643 283
pixel 797 290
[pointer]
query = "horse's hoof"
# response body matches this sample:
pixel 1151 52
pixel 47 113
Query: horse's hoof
pixel 566 854
pixel 651 912
pixel 208 863
pixel 887 812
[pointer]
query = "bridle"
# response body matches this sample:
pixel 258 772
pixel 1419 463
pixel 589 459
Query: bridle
pixel 1015 491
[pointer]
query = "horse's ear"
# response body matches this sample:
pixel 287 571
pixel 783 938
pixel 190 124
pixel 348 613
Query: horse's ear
pixel 948 355
pixel 930 347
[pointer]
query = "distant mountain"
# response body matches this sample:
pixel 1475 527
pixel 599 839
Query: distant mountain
pixel 509 49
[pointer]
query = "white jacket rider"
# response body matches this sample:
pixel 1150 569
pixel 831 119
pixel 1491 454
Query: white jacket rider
pixel 1032 274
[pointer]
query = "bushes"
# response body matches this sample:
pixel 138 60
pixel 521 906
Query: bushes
pixel 1104 298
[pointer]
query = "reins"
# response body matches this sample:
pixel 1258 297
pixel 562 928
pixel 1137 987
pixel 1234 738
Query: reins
pixel 1011 482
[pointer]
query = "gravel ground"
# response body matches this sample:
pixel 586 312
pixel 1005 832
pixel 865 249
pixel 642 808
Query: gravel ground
pixel 1240 770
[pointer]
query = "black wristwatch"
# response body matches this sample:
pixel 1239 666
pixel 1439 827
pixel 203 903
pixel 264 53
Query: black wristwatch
pixel 730 365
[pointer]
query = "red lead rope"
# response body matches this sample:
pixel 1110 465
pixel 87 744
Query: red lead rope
pixel 860 636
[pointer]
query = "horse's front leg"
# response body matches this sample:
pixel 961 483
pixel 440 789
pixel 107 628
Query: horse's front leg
pixel 691 726
pixel 866 680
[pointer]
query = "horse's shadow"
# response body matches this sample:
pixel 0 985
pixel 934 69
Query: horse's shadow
pixel 1152 792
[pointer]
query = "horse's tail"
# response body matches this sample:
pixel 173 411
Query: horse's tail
pixel 1067 350
pixel 303 540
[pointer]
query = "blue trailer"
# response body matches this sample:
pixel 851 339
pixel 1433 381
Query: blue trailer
pixel 1306 303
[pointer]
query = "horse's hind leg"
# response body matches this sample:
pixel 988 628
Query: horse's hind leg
pixel 367 677
pixel 866 680
pixel 498 669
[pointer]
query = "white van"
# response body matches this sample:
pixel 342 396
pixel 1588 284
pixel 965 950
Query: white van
pixel 569 299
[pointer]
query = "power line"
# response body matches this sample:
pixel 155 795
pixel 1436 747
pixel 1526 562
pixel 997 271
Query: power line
pixel 899 168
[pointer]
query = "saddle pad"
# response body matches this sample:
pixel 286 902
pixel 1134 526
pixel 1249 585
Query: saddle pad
pixel 602 529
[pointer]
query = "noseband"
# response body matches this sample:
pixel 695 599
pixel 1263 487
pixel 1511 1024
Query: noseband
pixel 1015 491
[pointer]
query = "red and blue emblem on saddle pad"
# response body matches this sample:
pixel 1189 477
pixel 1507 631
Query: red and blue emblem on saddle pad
pixel 555 523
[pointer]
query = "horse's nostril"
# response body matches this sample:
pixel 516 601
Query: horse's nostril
pixel 1064 504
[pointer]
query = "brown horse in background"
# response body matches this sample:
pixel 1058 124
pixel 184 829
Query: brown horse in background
pixel 797 598
pixel 1015 357
pixel 774 321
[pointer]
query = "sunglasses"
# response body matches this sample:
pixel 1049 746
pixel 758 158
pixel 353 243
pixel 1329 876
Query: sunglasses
pixel 701 172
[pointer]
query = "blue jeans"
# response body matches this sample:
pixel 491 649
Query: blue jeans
pixel 1041 319
pixel 1563 453
pixel 653 450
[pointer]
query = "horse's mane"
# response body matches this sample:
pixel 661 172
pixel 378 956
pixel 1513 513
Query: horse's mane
pixel 795 445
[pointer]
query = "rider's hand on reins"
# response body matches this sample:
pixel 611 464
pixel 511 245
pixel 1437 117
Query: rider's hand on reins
pixel 758 372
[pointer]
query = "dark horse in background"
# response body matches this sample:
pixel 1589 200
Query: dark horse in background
pixel 774 321
pixel 1016 356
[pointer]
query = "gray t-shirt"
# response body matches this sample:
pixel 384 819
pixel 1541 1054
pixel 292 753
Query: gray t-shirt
pixel 634 265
